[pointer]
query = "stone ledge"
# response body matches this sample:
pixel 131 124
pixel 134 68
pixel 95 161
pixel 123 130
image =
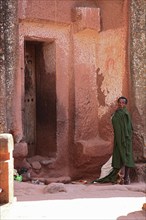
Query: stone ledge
pixel 95 147
pixel 86 18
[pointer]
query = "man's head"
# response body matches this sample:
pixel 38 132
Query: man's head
pixel 122 102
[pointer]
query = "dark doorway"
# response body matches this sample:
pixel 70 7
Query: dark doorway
pixel 40 98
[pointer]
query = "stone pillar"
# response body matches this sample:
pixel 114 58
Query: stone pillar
pixel 6 168
pixel 3 121
pixel 138 76
pixel 8 62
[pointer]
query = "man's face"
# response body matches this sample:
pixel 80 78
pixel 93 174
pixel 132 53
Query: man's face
pixel 121 103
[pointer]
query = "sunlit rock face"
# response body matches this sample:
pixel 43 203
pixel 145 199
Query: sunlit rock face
pixel 72 66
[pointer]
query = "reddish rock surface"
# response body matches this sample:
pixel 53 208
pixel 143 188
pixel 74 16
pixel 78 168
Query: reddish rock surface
pixel 73 65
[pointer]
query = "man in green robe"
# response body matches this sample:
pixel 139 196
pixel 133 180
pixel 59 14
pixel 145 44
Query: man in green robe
pixel 122 150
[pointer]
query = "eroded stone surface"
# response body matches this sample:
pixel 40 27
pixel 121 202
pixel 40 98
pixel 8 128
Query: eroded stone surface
pixel 89 70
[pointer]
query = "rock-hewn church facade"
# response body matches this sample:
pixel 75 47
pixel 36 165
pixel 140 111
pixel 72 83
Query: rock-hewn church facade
pixel 63 65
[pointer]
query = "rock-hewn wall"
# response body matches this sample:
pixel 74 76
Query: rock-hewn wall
pixel 137 75
pixel 8 60
pixel 3 124
pixel 94 65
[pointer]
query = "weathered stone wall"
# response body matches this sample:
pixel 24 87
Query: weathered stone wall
pixel 137 54
pixel 8 60
pixel 92 56
pixel 3 121
pixel 92 70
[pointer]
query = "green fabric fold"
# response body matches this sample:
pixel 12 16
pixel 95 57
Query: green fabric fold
pixel 122 150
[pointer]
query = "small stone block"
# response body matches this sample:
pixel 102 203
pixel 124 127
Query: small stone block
pixel 86 17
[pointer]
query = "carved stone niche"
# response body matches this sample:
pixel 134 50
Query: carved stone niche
pixel 86 18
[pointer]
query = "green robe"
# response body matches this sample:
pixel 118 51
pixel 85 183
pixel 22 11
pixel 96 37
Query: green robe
pixel 122 151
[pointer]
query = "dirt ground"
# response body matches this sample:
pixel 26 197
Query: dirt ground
pixel 76 200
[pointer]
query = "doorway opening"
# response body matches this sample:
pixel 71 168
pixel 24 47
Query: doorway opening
pixel 39 118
